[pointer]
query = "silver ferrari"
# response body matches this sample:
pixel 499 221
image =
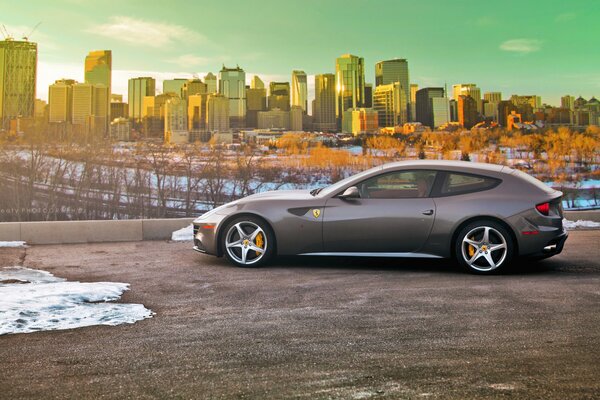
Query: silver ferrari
pixel 484 216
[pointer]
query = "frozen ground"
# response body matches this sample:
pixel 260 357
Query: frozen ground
pixel 33 300
pixel 183 235
pixel 580 224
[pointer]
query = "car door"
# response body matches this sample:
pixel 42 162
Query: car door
pixel 394 214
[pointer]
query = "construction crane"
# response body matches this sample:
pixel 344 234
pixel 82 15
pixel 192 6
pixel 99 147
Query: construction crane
pixel 5 33
pixel 26 37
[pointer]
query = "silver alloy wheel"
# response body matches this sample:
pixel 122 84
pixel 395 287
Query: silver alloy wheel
pixel 241 243
pixel 488 248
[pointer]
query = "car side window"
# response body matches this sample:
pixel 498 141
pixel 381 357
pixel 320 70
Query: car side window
pixel 457 183
pixel 398 185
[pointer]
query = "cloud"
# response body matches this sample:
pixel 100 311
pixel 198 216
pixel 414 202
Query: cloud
pixel 37 36
pixel 149 33
pixel 522 46
pixel 568 16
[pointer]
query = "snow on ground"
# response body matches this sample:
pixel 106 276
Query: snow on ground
pixel 580 224
pixel 183 235
pixel 33 300
pixel 12 244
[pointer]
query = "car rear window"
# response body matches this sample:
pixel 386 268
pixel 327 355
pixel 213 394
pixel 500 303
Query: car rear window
pixel 537 183
pixel 458 183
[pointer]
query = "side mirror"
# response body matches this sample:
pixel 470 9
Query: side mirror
pixel 350 193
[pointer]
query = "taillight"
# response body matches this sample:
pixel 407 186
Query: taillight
pixel 543 208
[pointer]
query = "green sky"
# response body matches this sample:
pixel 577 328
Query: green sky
pixel 549 48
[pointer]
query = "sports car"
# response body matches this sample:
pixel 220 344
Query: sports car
pixel 484 216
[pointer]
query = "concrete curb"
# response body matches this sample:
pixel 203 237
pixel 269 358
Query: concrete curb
pixel 64 232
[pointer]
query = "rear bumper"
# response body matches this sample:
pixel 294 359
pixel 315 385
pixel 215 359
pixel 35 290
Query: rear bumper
pixel 552 246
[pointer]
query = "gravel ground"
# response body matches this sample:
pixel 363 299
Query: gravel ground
pixel 316 328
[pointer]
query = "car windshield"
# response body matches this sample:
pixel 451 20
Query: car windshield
pixel 340 184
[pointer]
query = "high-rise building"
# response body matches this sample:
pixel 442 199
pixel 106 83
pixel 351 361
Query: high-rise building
pixel 18 69
pixel 118 109
pixel 60 101
pixel 299 90
pixel 468 89
pixel 412 104
pixel 217 113
pixel 174 86
pixel 424 108
pixel 192 87
pixel 492 97
pixel 153 114
pixel 534 101
pixel 197 117
pixel 368 95
pixel 390 103
pixel 274 119
pixel 211 83
pixel 256 83
pixel 138 89
pixel 256 101
pixel 440 107
pixel 324 103
pixel 89 109
pixel 567 102
pixel 296 114
pixel 39 108
pixel 98 71
pixel 232 84
pixel 505 108
pixel 349 83
pixel 279 96
pixel 176 127
pixel 467 111
pixel 390 71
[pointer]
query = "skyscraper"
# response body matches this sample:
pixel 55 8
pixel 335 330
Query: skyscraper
pixel 390 71
pixel 256 83
pixel 98 71
pixel 89 109
pixel 174 86
pixel 211 83
pixel 60 101
pixel 368 95
pixel 192 87
pixel 138 89
pixel 217 113
pixel 467 111
pixel 440 107
pixel 424 109
pixel 349 83
pixel 492 97
pixel 299 90
pixel 567 102
pixel 390 103
pixel 18 69
pixel 468 89
pixel 324 103
pixel 279 96
pixel 197 115
pixel 232 84
pixel 176 127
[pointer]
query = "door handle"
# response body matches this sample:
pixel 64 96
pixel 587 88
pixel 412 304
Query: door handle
pixel 427 212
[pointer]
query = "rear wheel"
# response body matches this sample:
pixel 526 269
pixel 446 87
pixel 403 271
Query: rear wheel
pixel 484 247
pixel 247 242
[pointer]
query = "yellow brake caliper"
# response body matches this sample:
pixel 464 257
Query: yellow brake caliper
pixel 259 242
pixel 471 248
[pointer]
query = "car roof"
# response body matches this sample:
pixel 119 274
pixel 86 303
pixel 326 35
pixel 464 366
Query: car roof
pixel 465 166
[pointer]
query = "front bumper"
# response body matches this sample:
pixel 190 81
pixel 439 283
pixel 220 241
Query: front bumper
pixel 206 234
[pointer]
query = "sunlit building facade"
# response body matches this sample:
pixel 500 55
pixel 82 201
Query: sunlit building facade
pixel 390 103
pixel 467 89
pixel 256 83
pixel 256 101
pixel 567 102
pixel 174 86
pixel 137 90
pixel 192 87
pixel 89 109
pixel 440 108
pixel 279 96
pixel 324 118
pixel 424 104
pixel 217 113
pixel 467 111
pixel 60 101
pixel 232 84
pixel 360 121
pixel 211 83
pixel 391 71
pixel 18 69
pixel 349 83
pixel 98 71
pixel 299 90
pixel 176 127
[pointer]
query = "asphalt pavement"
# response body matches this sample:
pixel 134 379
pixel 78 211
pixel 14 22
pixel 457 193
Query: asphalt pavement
pixel 316 328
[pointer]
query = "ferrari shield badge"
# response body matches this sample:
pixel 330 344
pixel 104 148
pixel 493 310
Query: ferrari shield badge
pixel 316 212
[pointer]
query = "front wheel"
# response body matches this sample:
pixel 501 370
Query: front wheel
pixel 484 247
pixel 247 242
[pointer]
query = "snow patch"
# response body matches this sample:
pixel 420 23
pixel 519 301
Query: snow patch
pixel 183 235
pixel 13 244
pixel 580 224
pixel 33 300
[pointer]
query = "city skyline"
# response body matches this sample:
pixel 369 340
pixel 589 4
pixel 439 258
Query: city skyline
pixel 492 46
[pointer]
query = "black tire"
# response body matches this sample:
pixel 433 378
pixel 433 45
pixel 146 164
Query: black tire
pixel 240 249
pixel 484 257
